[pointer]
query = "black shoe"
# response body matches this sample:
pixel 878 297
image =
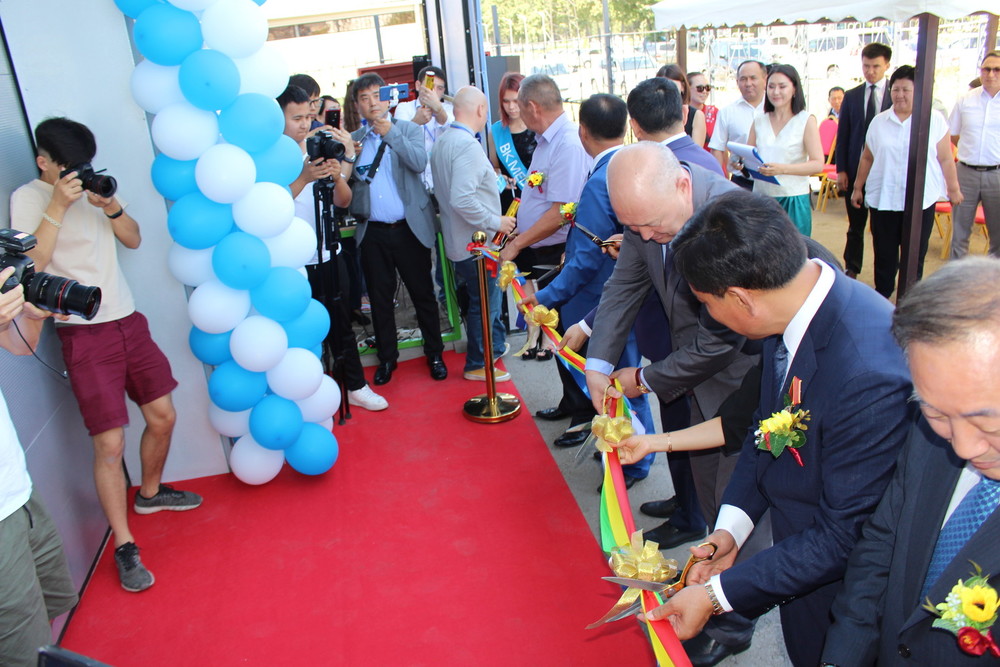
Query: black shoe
pixel 438 370
pixel 706 652
pixel 552 414
pixel 360 318
pixel 669 537
pixel 662 509
pixel 384 372
pixel 629 482
pixel 572 438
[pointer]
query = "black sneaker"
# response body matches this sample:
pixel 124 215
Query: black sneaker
pixel 167 498
pixel 132 573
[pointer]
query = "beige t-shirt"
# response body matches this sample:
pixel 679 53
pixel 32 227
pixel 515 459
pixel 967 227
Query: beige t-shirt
pixel 86 249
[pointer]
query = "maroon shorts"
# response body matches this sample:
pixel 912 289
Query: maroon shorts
pixel 108 360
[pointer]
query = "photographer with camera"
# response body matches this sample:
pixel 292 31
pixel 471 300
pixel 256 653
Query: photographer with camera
pixel 112 354
pixel 36 586
pixel 328 158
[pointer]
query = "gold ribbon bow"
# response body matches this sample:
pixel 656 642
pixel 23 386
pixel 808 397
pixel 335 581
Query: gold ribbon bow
pixel 508 271
pixel 542 317
pixel 610 430
pixel 637 560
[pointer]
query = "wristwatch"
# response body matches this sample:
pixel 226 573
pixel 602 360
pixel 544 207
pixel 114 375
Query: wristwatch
pixel 643 389
pixel 350 160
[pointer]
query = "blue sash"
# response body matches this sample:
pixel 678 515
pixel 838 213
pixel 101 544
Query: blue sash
pixel 508 156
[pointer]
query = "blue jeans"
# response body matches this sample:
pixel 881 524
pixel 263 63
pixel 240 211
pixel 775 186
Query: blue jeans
pixel 467 272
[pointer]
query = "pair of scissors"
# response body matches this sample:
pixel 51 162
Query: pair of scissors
pixel 664 589
pixel 601 243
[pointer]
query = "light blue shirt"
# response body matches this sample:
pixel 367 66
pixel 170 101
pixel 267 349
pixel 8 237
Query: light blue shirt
pixel 386 205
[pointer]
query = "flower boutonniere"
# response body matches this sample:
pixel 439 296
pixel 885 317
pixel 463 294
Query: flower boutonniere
pixel 535 180
pixel 786 428
pixel 968 612
pixel 568 211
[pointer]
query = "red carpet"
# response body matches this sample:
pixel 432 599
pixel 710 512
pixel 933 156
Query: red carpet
pixel 433 541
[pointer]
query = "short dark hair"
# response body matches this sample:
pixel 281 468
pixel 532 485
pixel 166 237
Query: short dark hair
pixel 739 239
pixel 762 66
pixel 605 116
pixel 366 81
pixel 655 105
pixel 798 99
pixel 833 90
pixel 66 141
pixel 305 82
pixel 877 50
pixel 958 302
pixel 292 95
pixel 903 72
pixel 436 71
pixel 673 72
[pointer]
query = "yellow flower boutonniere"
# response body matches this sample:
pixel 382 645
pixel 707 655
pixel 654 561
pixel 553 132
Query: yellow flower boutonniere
pixel 968 612
pixel 786 428
pixel 535 180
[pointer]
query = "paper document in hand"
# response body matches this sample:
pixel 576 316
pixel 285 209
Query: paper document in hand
pixel 751 160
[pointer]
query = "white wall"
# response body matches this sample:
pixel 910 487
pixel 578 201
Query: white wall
pixel 75 59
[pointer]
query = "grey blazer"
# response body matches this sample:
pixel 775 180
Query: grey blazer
pixel 707 358
pixel 409 157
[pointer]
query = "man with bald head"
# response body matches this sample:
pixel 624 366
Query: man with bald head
pixel 653 195
pixel 469 201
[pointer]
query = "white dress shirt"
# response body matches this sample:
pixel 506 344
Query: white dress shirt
pixel 733 124
pixel 976 120
pixel 889 141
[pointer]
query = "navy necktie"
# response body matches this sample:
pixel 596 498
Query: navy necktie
pixel 872 109
pixel 780 365
pixel 978 504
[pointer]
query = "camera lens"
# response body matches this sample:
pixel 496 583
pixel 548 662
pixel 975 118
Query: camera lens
pixel 62 295
pixel 105 186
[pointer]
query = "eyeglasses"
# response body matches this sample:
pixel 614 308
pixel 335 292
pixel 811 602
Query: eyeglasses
pixel 314 102
pixel 703 89
pixel 990 70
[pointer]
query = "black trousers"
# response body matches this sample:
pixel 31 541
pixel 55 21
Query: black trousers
pixel 386 251
pixel 340 341
pixel 857 219
pixel 887 242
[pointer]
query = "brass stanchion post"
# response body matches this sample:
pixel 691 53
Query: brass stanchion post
pixel 491 407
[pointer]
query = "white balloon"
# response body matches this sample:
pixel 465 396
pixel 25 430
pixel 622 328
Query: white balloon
pixel 322 403
pixel 258 343
pixel 253 464
pixel 237 28
pixel 265 72
pixel 184 132
pixel 293 247
pixel 155 87
pixel 192 5
pixel 215 308
pixel 328 424
pixel 190 267
pixel 225 173
pixel 297 376
pixel 229 424
pixel 265 211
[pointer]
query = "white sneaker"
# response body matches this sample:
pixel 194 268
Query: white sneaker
pixel 367 399
pixel 499 375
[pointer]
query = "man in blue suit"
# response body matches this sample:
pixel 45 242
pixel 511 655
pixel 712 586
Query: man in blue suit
pixel 577 289
pixel 828 346
pixel 939 514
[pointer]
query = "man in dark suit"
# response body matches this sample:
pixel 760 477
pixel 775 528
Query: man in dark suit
pixel 398 232
pixel 860 105
pixel 829 337
pixel 938 516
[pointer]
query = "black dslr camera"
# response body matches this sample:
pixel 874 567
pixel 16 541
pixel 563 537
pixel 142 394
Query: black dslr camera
pixel 323 145
pixel 105 186
pixel 44 290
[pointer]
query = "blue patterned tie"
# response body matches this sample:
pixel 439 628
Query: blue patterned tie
pixel 780 364
pixel 975 508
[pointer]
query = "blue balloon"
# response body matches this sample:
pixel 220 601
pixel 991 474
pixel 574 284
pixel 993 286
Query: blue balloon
pixel 281 163
pixel 284 294
pixel 197 222
pixel 253 122
pixel 233 388
pixel 167 35
pixel 209 79
pixel 132 8
pixel 173 178
pixel 310 328
pixel 260 2
pixel 241 260
pixel 276 422
pixel 211 349
pixel 314 452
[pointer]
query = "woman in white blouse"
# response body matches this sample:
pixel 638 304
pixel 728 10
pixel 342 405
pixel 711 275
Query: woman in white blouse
pixel 787 139
pixel 881 180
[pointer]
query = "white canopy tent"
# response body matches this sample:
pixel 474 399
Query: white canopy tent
pixel 682 14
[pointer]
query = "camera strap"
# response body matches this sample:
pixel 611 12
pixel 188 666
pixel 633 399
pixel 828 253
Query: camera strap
pixel 373 169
